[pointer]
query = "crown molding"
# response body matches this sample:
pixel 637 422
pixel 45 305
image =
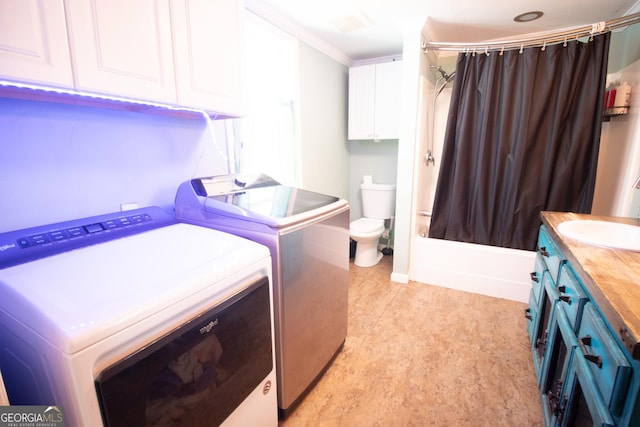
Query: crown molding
pixel 281 21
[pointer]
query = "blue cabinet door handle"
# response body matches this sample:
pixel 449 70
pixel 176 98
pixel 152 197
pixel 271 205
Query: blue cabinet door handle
pixel 584 342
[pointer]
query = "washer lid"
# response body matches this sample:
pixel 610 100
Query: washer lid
pixel 75 299
pixel 278 201
pixel 263 200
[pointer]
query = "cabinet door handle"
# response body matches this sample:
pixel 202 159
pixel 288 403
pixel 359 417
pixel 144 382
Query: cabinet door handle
pixel 565 298
pixel 534 277
pixel 543 251
pixel 584 342
pixel 527 314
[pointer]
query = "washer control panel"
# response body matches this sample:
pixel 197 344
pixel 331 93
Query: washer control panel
pixel 20 246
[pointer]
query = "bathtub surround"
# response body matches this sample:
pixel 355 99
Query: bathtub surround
pixel 522 136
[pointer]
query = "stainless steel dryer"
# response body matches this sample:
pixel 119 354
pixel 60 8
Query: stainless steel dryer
pixel 308 236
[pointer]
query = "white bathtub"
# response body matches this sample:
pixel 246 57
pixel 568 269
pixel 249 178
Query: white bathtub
pixel 481 269
pixel 487 270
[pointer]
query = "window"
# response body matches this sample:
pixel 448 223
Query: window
pixel 266 140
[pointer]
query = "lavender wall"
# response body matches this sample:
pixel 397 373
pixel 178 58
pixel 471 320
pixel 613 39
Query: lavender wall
pixel 60 162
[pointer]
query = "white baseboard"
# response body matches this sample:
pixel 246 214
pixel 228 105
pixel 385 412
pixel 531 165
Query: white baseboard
pixel 399 278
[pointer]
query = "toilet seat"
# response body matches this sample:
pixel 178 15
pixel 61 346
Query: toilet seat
pixel 367 225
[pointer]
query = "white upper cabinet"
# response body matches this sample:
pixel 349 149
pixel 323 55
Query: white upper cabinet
pixel 361 99
pixel 209 54
pixel 122 47
pixel 33 42
pixel 180 52
pixel 374 101
pixel 388 100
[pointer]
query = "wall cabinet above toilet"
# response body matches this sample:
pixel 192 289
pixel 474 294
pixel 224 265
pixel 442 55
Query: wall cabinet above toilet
pixel 374 101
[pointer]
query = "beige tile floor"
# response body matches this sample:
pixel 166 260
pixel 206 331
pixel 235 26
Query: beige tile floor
pixel 422 355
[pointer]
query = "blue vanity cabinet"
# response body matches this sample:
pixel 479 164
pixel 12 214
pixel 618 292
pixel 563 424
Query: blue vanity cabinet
pixel 584 373
pixel 607 362
pixel 536 278
pixel 550 253
pixel 543 296
pixel 581 403
pixel 571 295
pixel 555 365
pixel 540 336
pixel 533 308
pixel 531 314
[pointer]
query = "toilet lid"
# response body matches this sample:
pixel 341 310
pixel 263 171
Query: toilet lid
pixel 367 225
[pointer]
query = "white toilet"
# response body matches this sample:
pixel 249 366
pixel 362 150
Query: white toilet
pixel 378 204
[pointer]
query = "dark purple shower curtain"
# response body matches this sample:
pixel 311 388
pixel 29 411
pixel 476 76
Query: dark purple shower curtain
pixel 522 136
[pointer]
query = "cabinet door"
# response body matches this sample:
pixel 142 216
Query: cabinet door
pixel 607 362
pixel 122 47
pixel 387 100
pixel 33 42
pixel 209 54
pixel 361 101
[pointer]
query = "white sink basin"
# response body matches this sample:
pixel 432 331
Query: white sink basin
pixel 612 235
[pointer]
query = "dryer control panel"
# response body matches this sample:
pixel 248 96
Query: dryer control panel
pixel 20 246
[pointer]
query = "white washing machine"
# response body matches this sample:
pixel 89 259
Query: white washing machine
pixel 132 319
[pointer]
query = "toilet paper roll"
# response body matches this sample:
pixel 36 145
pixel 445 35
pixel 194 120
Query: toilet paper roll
pixel 367 179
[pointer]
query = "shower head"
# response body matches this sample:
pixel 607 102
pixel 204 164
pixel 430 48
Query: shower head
pixel 441 71
pixel 443 81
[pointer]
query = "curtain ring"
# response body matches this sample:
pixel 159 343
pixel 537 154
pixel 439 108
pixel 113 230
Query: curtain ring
pixel 486 50
pixel 565 42
pixel 544 45
pixel 502 51
pixel 521 47
pixel 474 52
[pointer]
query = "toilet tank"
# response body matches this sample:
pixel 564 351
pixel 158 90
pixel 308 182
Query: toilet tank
pixel 378 200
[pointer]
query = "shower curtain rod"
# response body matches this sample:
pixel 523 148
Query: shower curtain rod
pixel 540 40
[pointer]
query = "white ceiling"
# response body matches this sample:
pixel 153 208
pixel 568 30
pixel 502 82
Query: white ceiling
pixel 336 23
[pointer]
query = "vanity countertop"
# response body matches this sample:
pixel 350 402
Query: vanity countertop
pixel 611 276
